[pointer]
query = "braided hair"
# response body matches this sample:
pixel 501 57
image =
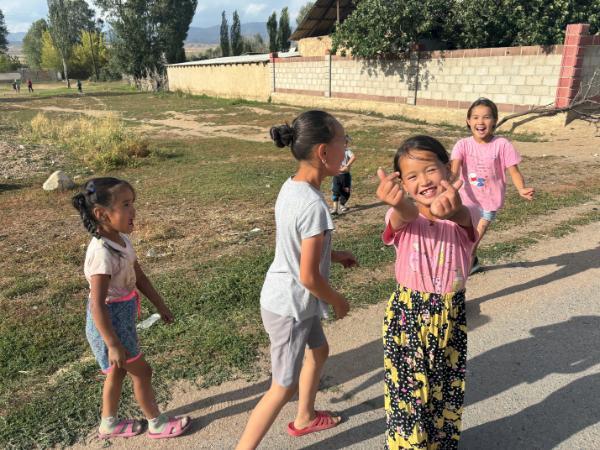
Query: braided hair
pixel 97 191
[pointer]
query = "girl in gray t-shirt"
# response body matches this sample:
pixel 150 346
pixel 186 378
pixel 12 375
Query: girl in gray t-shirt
pixel 296 292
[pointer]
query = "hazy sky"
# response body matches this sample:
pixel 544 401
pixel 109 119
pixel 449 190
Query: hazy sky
pixel 19 14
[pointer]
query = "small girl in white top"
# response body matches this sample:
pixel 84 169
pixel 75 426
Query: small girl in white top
pixel 114 275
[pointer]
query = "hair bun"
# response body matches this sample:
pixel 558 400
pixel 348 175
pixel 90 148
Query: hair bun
pixel 282 136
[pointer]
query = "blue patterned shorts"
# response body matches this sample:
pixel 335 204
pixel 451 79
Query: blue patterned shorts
pixel 123 316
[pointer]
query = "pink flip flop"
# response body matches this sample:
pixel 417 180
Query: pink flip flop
pixel 323 421
pixel 172 429
pixel 124 429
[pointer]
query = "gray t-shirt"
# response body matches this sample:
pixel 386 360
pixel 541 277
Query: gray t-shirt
pixel 300 213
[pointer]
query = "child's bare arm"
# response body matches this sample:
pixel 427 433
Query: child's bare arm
pixel 519 182
pixel 389 191
pixel 146 288
pixel 455 166
pixel 311 278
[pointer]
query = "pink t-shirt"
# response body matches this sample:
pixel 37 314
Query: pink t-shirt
pixel 483 170
pixel 432 257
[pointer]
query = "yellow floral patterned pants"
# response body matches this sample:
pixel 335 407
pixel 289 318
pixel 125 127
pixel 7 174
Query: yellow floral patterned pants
pixel 425 352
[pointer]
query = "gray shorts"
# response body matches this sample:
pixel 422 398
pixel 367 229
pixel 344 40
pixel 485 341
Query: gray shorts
pixel 289 339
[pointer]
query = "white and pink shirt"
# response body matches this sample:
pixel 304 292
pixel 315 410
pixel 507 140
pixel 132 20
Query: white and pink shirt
pixel 100 260
pixel 483 170
pixel 432 256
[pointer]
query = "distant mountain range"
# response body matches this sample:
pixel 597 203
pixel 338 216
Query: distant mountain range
pixel 196 35
pixel 212 35
pixel 16 38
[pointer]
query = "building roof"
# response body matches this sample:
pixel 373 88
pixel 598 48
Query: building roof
pixel 262 57
pixel 322 17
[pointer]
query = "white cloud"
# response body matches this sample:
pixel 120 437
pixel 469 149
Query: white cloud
pixel 254 8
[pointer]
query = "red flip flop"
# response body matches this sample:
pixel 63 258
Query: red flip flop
pixel 323 421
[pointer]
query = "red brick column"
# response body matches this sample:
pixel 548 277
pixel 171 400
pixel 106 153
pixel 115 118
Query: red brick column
pixel 576 38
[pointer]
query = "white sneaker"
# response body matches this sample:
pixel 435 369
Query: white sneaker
pixel 344 209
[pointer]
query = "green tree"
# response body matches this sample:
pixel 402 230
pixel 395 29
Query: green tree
pixel 225 51
pixel 255 44
pixel 272 30
pixel 303 12
pixel 32 43
pixel 237 44
pixel 284 31
pixel 66 19
pixel 91 55
pixel 3 34
pixel 522 22
pixel 9 63
pixel 177 16
pixel 49 56
pixel 377 28
pixel 145 35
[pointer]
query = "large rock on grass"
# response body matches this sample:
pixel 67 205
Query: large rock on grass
pixel 58 181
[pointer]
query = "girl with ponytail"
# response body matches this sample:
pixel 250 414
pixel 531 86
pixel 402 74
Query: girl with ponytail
pixel 296 291
pixel 106 207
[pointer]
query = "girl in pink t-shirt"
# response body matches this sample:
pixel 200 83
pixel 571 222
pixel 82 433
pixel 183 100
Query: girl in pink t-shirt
pixel 481 162
pixel 424 328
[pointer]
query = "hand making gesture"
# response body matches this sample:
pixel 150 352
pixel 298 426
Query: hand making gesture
pixel 448 202
pixel 389 190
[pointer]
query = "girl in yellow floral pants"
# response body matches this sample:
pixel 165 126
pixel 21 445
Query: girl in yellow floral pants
pixel 424 329
pixel 425 342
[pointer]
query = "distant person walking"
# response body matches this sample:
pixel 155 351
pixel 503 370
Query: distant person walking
pixel 79 87
pixel 18 83
pixel 29 85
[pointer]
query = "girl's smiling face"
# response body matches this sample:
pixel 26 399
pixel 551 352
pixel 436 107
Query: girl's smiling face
pixel 482 123
pixel 421 173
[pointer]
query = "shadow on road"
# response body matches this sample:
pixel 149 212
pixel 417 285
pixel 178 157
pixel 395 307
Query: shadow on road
pixel 543 425
pixel 569 264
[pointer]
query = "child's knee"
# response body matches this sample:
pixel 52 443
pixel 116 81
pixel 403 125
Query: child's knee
pixel 140 369
pixel 117 374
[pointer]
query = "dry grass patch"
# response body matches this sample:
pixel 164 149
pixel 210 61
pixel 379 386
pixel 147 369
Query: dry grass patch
pixel 102 142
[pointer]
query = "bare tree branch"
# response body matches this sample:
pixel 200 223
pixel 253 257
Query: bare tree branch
pixel 584 106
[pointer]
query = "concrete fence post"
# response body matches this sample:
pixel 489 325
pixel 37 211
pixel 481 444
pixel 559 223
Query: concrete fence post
pixel 272 58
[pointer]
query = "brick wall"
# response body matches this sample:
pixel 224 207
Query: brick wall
pixel 516 78
pixel 309 76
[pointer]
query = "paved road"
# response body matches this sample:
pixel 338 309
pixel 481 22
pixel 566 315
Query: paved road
pixel 533 372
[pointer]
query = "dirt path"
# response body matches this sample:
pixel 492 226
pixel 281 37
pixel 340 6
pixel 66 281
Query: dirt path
pixel 533 370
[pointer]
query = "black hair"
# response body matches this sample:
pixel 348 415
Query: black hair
pixel 420 142
pixel 97 191
pixel 307 130
pixel 482 101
